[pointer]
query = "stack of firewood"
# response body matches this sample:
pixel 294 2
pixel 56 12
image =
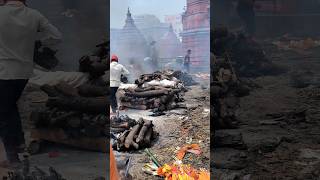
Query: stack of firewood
pixel 79 111
pixel 82 110
pixel 136 135
pixel 160 90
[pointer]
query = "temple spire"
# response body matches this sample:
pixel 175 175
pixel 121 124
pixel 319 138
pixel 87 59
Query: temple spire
pixel 128 13
pixel 129 19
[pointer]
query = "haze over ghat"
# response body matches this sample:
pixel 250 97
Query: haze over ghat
pixel 160 8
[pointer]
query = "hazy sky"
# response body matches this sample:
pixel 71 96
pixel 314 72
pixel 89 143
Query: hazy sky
pixel 160 8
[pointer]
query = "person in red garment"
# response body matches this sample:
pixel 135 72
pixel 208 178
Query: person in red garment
pixel 116 70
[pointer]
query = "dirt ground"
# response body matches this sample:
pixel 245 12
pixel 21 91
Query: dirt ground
pixel 176 128
pixel 276 148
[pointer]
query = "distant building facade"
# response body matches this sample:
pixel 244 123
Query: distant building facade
pixel 129 43
pixel 196 32
pixel 176 22
pixel 132 42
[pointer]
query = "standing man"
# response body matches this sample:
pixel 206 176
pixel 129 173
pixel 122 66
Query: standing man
pixel 116 70
pixel 187 61
pixel 246 12
pixel 19 27
pixel 154 56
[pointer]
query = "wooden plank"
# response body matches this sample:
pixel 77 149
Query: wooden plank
pixel 59 136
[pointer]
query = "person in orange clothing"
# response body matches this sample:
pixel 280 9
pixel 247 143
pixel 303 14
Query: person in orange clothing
pixel 114 174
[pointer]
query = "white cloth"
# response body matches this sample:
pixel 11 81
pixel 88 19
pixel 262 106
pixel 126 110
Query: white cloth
pixel 163 83
pixel 116 70
pixel 74 79
pixel 128 86
pixel 19 27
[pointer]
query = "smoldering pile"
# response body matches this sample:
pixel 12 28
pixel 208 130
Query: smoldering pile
pixel 131 134
pixel 246 55
pixel 80 111
pixel 159 91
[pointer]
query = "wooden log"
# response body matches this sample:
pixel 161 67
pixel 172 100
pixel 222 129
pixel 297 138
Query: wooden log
pixel 123 136
pixel 37 117
pixel 124 125
pixel 61 119
pixel 93 131
pixel 144 89
pixel 148 137
pixel 60 136
pixel 129 105
pixel 87 90
pixel 88 105
pixel 152 93
pixel 74 122
pixel 50 90
pixel 147 124
pixel 130 138
pixel 66 89
pixel 117 129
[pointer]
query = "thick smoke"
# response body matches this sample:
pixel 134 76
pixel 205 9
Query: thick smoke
pixel 88 26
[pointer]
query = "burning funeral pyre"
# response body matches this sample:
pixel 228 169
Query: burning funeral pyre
pixel 159 91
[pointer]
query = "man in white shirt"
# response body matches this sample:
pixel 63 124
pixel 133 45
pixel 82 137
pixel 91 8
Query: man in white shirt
pixel 19 29
pixel 116 70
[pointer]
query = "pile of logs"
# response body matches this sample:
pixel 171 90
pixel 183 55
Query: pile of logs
pixel 79 111
pixel 246 55
pixel 136 135
pixel 159 91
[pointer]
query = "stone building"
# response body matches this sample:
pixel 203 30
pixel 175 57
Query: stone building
pixel 169 45
pixel 129 43
pixel 151 27
pixel 196 32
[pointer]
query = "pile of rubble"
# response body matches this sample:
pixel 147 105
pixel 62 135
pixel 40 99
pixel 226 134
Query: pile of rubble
pixel 160 91
pixel 129 134
pixel 246 55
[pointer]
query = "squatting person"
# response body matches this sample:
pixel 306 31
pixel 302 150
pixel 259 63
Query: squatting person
pixel 19 27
